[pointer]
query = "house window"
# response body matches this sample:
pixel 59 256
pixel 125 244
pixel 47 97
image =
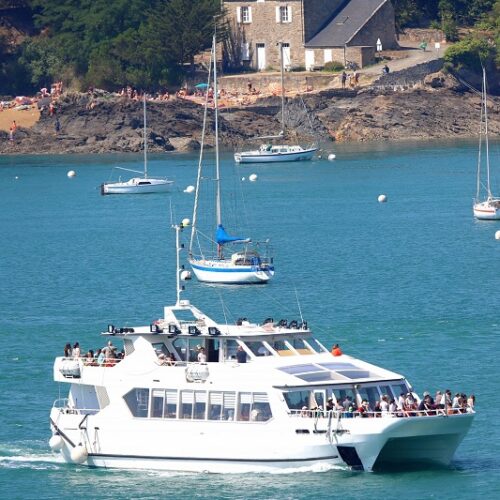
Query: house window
pixel 244 14
pixel 284 14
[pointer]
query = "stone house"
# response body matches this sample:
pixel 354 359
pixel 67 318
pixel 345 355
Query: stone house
pixel 312 32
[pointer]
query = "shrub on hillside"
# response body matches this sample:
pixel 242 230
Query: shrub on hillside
pixel 333 66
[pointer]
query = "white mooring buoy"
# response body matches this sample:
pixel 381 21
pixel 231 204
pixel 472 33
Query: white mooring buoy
pixel 186 222
pixel 382 198
pixel 252 177
pixel 331 157
pixel 497 235
pixel 71 174
pixel 189 189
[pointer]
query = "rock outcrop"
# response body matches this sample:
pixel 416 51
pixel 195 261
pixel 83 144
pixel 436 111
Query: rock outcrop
pixel 435 106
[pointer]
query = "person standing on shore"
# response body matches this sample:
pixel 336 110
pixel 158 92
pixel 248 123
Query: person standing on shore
pixel 343 79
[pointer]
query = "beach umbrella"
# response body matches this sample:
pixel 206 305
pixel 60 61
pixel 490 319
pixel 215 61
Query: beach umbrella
pixel 201 85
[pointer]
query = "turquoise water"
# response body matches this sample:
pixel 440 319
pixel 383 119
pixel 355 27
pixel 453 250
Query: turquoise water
pixel 412 285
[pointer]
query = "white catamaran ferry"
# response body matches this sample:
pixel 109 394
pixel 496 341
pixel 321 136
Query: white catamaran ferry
pixel 191 394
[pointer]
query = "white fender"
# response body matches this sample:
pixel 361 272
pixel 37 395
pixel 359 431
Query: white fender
pixel 79 454
pixel 56 442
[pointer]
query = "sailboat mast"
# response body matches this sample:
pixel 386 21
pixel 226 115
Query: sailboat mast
pixel 282 67
pixel 145 139
pixel 200 160
pixel 486 136
pixel 217 165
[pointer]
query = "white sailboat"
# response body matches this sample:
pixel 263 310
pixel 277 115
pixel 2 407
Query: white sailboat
pixel 138 185
pixel 489 207
pixel 248 264
pixel 271 153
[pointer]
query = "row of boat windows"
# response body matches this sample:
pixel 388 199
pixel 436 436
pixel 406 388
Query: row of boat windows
pixel 198 405
pixel 187 349
pixel 297 400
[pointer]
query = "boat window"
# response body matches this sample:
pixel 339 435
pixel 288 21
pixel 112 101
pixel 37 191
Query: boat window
pixel 200 405
pixel 143 182
pixel 356 374
pixel 170 410
pixel 300 346
pixel 296 400
pixel 184 316
pixel 281 348
pixel 229 406
pixel 399 389
pixel 137 401
pixel 157 398
pixel 261 411
pixel 319 399
pixel 258 348
pixel 186 407
pixel 181 346
pixel 245 400
pixel 231 348
pixel 344 397
pixel 215 405
pixel 160 348
pixel 370 394
pixel 386 390
pixel 292 370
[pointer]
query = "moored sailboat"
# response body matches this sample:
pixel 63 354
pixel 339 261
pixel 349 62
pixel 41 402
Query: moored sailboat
pixel 272 153
pixel 138 185
pixel 246 265
pixel 487 207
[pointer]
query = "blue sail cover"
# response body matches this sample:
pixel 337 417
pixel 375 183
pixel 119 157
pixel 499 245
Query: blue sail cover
pixel 222 237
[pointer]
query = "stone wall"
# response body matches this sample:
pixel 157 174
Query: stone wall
pixel 421 35
pixel 382 26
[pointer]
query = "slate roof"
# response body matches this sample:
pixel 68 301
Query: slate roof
pixel 345 23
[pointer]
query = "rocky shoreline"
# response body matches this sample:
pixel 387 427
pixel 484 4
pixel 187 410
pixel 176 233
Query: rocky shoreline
pixel 435 106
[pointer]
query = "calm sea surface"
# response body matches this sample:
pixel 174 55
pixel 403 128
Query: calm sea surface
pixel 412 285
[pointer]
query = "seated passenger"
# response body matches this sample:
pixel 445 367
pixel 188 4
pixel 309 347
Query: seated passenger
pixel 101 358
pixel 336 351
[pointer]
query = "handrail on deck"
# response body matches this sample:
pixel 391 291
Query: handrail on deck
pixel 319 413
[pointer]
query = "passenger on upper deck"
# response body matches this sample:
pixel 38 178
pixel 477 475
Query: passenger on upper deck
pixel 241 355
pixel 67 351
pixel 336 351
pixel 202 356
pixel 76 350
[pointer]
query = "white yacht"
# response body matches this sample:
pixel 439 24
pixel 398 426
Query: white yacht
pixel 138 185
pixel 192 394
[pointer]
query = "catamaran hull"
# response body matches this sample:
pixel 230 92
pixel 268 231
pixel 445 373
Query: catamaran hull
pixel 258 157
pixel 486 211
pixel 119 188
pixel 232 275
pixel 362 444
pixel 388 443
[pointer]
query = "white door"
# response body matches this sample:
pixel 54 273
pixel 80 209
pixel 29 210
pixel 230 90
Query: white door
pixel 328 56
pixel 309 59
pixel 261 56
pixel 287 62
